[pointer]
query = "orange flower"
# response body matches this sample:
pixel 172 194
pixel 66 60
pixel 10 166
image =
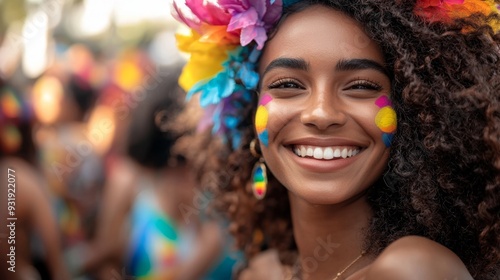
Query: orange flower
pixel 448 10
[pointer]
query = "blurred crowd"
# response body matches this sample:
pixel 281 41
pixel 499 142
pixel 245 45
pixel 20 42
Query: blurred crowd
pixel 105 185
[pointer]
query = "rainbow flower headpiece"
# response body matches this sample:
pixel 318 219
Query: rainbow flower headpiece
pixel 225 40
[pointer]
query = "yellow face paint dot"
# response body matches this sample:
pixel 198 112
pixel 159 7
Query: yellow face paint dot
pixel 386 119
pixel 261 117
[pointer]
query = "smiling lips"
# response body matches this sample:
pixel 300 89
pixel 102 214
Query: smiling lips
pixel 327 153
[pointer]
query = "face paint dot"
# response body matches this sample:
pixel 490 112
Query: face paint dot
pixel 386 119
pixel 261 117
pixel 383 101
pixel 265 99
pixel 387 138
pixel 264 138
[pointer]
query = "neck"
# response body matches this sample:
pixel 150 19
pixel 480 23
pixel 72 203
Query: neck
pixel 329 237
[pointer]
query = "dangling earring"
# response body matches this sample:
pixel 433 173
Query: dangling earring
pixel 259 173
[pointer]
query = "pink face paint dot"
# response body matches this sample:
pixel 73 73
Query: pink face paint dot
pixel 265 99
pixel 383 101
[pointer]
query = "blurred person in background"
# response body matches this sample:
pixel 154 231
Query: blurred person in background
pixel 34 240
pixel 142 232
pixel 198 146
pixel 63 100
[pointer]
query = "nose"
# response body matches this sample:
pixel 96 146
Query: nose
pixel 323 110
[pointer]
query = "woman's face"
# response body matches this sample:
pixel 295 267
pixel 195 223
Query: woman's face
pixel 323 107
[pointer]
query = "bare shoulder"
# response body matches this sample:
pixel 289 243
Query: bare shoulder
pixel 415 257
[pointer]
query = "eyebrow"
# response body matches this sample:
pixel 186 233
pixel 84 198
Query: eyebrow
pixel 285 62
pixel 361 64
pixel 342 65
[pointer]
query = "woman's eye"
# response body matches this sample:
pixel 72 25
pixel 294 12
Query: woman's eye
pixel 284 84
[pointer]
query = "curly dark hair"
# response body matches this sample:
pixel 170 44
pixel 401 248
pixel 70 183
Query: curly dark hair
pixel 443 176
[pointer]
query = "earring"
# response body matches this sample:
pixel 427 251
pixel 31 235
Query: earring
pixel 259 173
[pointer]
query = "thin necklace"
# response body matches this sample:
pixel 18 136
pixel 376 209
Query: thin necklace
pixel 347 267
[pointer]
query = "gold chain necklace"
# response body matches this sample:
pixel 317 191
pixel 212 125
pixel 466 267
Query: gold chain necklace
pixel 347 267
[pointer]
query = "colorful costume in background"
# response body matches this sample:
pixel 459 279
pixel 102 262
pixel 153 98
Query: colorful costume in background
pixel 156 244
pixel 14 111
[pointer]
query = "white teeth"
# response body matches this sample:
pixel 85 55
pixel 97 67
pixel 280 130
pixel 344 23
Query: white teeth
pixel 336 153
pixel 327 153
pixel 318 153
pixel 344 153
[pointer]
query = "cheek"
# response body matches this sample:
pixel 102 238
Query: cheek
pixel 279 114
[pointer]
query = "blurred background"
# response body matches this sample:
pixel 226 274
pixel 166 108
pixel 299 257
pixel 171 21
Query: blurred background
pixel 88 99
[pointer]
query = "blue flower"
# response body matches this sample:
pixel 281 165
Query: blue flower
pixel 213 91
pixel 239 69
pixel 227 115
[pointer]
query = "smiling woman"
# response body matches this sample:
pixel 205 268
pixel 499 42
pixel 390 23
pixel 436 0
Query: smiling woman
pixel 377 122
pixel 323 102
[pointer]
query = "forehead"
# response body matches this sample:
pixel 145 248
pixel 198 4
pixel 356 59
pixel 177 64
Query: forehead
pixel 322 34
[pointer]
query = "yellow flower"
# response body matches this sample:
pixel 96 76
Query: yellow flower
pixel 205 61
pixel 470 7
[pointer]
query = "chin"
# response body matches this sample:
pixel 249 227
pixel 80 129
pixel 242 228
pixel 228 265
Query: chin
pixel 326 193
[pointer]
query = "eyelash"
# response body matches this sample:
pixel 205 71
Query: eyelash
pixel 367 84
pixel 280 83
pixel 364 83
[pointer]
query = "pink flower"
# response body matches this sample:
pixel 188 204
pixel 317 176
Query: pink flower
pixel 252 18
pixel 435 10
pixel 437 3
pixel 243 20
